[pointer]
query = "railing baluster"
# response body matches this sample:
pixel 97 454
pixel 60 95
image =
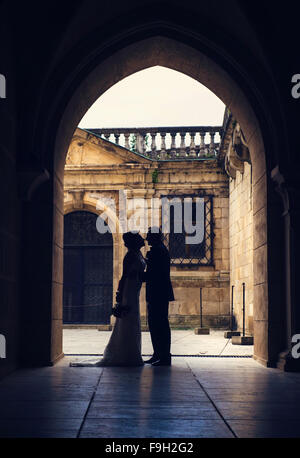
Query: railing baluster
pixel 139 143
pixel 182 150
pixel 117 136
pixel 144 144
pixel 173 145
pixel 192 145
pixel 212 142
pixel 192 152
pixel 153 142
pixel 163 145
pixel 127 135
pixel 202 144
pixel 154 148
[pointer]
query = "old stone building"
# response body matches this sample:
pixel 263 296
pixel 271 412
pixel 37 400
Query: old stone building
pixel 58 58
pixel 81 53
pixel 234 155
pixel 97 169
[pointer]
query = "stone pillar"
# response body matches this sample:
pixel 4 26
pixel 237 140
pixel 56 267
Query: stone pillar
pixel 42 267
pixel 289 190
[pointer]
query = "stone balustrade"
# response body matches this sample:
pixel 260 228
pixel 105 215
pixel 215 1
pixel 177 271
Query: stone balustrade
pixel 167 143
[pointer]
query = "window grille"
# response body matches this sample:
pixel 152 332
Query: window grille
pixel 182 252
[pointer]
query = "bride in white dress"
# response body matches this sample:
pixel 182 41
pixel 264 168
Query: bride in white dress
pixel 124 346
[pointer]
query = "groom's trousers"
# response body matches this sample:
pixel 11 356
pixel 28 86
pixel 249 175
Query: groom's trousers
pixel 159 328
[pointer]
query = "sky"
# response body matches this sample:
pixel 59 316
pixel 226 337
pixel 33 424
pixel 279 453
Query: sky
pixel 155 97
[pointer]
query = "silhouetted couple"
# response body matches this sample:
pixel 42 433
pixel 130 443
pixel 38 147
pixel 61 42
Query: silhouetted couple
pixel 124 346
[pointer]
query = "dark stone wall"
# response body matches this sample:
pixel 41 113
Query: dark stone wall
pixel 10 205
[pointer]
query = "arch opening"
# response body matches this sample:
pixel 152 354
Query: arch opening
pixel 178 56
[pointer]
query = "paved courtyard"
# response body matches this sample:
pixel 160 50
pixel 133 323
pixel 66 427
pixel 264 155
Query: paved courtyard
pixel 92 342
pixel 194 398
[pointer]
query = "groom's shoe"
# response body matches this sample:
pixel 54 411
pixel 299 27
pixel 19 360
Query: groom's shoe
pixel 162 362
pixel 151 360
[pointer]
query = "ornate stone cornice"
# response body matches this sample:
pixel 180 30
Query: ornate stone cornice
pixel 234 151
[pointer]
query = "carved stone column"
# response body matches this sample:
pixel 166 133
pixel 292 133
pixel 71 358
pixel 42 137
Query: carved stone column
pixel 289 190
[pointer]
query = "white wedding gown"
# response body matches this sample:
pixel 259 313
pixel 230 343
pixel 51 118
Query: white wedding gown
pixel 124 346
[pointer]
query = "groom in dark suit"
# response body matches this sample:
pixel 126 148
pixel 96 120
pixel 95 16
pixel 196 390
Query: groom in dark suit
pixel 159 292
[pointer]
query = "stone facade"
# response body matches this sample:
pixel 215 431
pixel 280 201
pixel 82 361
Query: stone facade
pixel 241 246
pixel 234 154
pixel 97 168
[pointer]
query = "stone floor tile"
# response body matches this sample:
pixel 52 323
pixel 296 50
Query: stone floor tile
pixel 147 397
pixel 266 428
pixel 254 394
pixel 58 393
pixel 189 399
pixel 259 410
pixel 201 410
pixel 183 342
pixel 155 428
pixel 43 409
pixel 39 428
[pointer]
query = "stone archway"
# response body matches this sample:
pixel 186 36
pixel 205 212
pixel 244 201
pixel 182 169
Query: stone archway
pixel 173 54
pixel 93 205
